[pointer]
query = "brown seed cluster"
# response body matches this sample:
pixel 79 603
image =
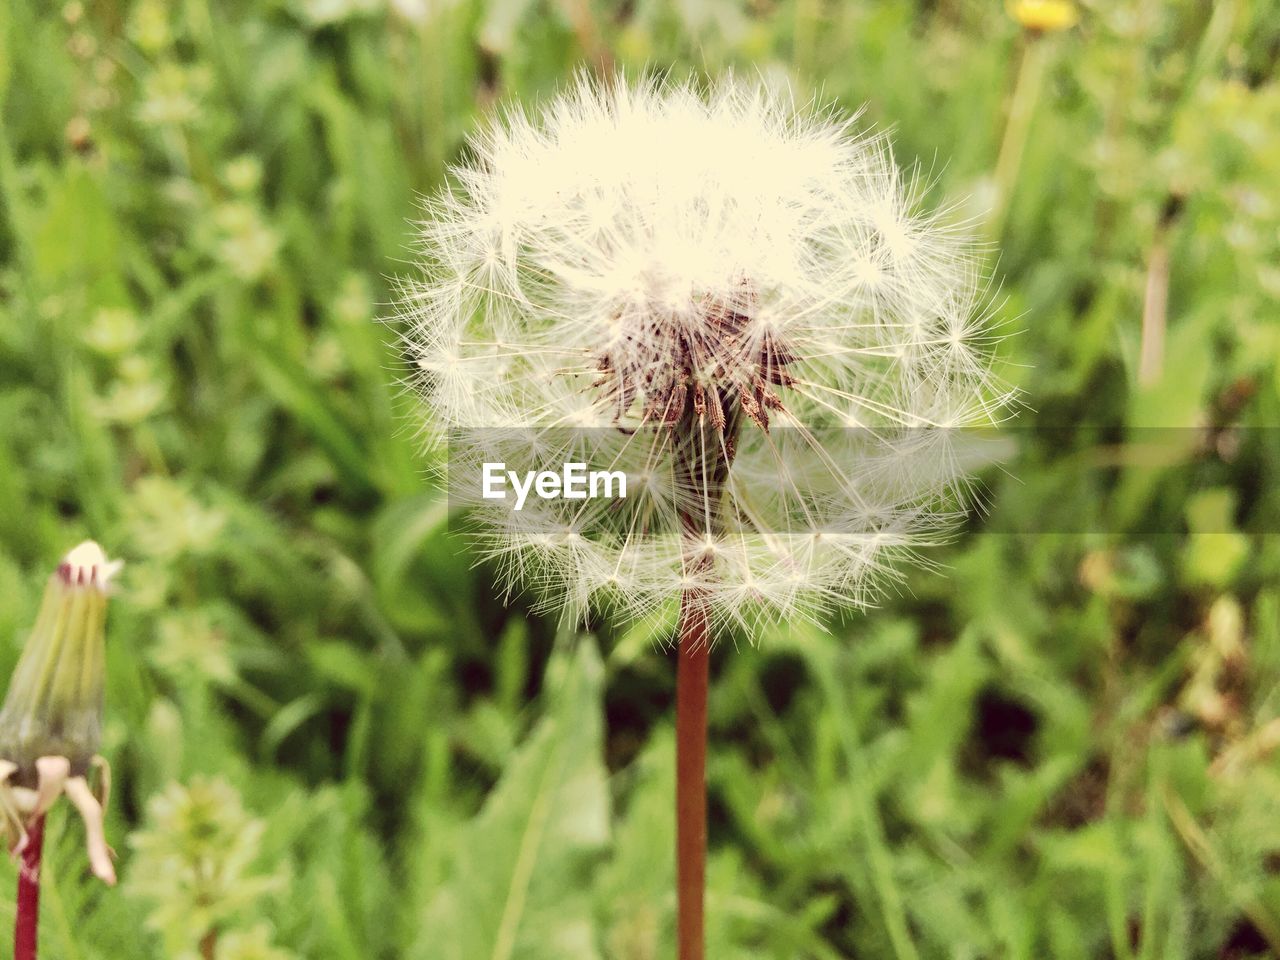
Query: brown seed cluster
pixel 713 372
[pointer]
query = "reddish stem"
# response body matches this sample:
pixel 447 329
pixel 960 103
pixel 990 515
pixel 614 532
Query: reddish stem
pixel 694 658
pixel 28 918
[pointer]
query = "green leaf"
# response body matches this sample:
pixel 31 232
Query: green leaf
pixel 516 873
pixel 294 390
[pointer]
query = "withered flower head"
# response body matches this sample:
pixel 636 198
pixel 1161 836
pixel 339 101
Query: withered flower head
pixel 50 725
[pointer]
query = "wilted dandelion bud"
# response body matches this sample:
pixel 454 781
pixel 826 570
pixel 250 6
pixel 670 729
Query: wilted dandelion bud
pixel 736 303
pixel 51 721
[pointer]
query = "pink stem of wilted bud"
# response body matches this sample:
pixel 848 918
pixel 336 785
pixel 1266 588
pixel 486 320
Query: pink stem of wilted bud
pixel 26 925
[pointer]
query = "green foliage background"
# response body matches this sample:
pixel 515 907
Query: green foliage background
pixel 330 737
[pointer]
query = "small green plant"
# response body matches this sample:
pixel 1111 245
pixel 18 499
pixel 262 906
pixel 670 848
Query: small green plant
pixel 195 864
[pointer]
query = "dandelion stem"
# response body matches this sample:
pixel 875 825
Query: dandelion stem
pixel 1155 301
pixel 1022 105
pixel 704 451
pixel 26 924
pixel 692 670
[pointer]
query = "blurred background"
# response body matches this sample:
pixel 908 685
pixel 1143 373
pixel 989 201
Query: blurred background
pixel 333 739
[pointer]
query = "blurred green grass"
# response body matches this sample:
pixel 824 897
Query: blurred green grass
pixel 1059 746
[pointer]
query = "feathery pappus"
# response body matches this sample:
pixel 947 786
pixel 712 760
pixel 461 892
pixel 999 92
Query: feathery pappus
pixel 738 301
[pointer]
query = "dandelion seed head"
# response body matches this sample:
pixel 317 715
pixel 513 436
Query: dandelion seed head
pixel 741 300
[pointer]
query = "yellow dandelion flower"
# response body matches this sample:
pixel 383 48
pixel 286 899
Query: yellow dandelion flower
pixel 1045 16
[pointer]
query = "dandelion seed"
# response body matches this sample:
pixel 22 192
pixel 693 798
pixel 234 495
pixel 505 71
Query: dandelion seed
pixel 707 288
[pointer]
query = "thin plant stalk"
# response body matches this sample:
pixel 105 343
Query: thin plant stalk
pixel 1022 107
pixel 705 450
pixel 583 20
pixel 1155 301
pixel 27 921
pixel 1155 308
pixel 692 671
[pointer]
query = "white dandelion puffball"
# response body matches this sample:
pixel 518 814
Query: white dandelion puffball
pixel 735 301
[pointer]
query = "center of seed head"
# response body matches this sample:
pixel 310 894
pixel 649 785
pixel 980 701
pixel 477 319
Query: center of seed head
pixel 709 370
